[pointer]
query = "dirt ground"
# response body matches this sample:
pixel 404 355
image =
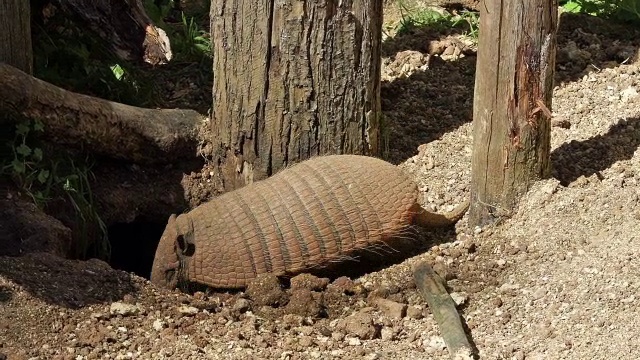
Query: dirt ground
pixel 559 280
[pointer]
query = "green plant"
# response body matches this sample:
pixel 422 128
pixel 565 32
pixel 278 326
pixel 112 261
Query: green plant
pixel 91 232
pixel 438 19
pixel 26 166
pixel 622 10
pixel 44 179
pixel 191 41
pixel 76 60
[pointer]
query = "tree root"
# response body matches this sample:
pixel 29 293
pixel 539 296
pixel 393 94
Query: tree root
pixel 115 130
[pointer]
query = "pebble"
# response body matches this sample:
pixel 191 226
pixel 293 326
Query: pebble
pixel 359 325
pixel 414 312
pixel 241 305
pixel 158 324
pixel 387 334
pixel 390 308
pixel 434 343
pixel 187 310
pixel 459 298
pixel 124 309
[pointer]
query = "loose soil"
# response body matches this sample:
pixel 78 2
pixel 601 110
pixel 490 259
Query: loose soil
pixel 559 279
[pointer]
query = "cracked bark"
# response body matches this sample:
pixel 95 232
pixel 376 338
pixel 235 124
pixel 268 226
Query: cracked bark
pixel 15 35
pixel 293 79
pixel 513 91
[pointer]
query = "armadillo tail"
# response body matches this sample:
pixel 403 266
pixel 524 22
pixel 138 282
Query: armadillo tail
pixel 427 219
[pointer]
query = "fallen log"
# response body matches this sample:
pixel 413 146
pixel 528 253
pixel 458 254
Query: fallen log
pixel 106 128
pixel 443 307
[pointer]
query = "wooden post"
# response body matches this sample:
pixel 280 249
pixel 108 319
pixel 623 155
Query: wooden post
pixel 511 115
pixel 15 34
pixel 292 79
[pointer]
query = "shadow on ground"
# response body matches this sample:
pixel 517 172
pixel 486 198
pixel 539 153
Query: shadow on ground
pixel 427 104
pixel 588 43
pixel 66 283
pixel 380 257
pixel 585 158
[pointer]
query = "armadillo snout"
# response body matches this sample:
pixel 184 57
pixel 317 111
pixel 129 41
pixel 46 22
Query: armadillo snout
pixel 164 271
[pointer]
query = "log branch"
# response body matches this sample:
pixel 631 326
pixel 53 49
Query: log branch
pixel 99 126
pixel 443 307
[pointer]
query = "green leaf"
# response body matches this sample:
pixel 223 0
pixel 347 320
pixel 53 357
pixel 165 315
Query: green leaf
pixel 38 125
pixel 37 154
pixel 117 71
pixel 43 176
pixel 18 166
pixel 572 7
pixel 22 128
pixel 23 150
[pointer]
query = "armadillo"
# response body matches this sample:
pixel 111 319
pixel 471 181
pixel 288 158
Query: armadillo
pixel 318 211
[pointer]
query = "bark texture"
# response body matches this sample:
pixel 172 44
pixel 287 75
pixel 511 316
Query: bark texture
pixel 122 24
pixel 293 79
pixel 99 126
pixel 513 91
pixel 15 34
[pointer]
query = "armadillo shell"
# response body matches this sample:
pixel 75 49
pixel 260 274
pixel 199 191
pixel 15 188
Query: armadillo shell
pixel 313 213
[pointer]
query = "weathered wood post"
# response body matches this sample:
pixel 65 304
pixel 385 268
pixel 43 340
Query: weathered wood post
pixel 292 79
pixel 15 34
pixel 511 116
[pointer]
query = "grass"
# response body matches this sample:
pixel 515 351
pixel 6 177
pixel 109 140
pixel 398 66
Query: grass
pixel 439 19
pixel 618 10
pixel 44 178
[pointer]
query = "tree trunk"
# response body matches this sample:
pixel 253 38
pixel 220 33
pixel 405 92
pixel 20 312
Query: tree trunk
pixel 15 34
pixel 511 116
pixel 293 79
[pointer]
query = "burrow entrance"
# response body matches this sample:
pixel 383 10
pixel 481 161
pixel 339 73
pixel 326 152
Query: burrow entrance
pixel 133 245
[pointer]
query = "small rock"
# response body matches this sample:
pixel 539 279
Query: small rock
pixel 392 309
pixel 373 356
pixel 305 341
pixel 309 282
pixel 360 325
pixel 387 334
pixel 120 308
pixel 352 341
pixel 434 343
pixel 305 302
pixel 337 336
pixel 241 305
pixel 459 298
pixel 265 290
pixel 187 310
pixel 347 286
pixel 414 312
pixel 158 325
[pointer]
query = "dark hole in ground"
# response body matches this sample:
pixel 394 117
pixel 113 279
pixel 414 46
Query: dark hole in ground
pixel 133 245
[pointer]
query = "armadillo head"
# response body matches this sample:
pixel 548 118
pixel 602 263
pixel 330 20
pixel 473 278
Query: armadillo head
pixel 166 264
